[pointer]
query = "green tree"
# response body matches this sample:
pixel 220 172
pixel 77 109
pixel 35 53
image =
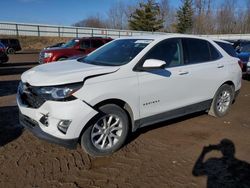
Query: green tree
pixel 185 17
pixel 147 17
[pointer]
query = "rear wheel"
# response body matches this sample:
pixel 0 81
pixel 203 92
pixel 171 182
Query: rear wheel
pixel 222 101
pixel 11 51
pixel 107 132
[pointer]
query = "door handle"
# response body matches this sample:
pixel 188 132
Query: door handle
pixel 183 72
pixel 220 66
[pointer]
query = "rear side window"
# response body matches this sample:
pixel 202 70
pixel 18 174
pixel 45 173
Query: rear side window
pixel 14 41
pixel 85 44
pixel 96 43
pixel 199 51
pixel 228 48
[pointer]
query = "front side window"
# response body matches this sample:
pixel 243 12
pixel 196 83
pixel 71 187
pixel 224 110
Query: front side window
pixel 116 53
pixel 168 51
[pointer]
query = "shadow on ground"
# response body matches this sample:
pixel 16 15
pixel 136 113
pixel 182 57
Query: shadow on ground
pixel 28 52
pixel 10 64
pixel 8 87
pixel 13 70
pixel 9 125
pixel 227 171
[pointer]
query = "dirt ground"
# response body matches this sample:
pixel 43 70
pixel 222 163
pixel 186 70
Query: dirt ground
pixel 162 155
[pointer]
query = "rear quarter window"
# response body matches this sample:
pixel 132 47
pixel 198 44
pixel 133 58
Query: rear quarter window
pixel 227 48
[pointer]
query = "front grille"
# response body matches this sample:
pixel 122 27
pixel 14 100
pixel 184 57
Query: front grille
pixel 41 57
pixel 27 121
pixel 29 97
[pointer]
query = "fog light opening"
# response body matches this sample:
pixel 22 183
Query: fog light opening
pixel 63 125
pixel 44 120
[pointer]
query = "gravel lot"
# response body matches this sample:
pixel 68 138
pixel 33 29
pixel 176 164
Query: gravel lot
pixel 162 155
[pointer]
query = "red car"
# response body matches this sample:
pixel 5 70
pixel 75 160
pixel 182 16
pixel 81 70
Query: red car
pixel 74 47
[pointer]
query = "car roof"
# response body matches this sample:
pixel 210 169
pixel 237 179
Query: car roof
pixel 164 36
pixel 223 41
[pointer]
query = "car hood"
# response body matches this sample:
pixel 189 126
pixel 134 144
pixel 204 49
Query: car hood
pixel 54 49
pixel 64 72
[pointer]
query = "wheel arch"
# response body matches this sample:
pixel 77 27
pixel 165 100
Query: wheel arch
pixel 122 104
pixel 59 57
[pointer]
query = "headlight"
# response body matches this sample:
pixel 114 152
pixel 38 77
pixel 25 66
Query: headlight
pixel 58 92
pixel 48 55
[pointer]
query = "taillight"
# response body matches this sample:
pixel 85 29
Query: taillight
pixel 240 64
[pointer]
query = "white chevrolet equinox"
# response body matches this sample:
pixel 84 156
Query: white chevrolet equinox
pixel 128 83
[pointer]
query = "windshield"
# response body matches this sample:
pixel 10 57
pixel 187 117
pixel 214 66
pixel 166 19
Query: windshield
pixel 70 43
pixel 116 53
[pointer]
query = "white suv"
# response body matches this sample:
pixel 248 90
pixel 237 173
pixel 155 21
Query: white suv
pixel 124 85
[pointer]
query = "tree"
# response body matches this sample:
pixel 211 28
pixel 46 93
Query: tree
pixel 147 17
pixel 185 17
pixel 117 16
pixel 226 19
pixel 203 18
pixel 92 21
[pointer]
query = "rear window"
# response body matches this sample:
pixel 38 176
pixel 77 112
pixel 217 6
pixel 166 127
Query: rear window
pixel 228 48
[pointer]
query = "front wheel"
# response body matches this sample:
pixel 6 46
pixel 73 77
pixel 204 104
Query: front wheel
pixel 107 132
pixel 222 101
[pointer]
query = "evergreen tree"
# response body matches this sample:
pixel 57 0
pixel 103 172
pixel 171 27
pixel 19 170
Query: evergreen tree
pixel 185 17
pixel 146 17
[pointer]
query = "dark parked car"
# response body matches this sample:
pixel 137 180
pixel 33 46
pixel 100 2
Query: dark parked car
pixel 3 56
pixel 242 48
pixel 12 45
pixel 74 47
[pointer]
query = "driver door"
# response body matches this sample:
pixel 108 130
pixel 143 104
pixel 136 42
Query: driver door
pixel 162 90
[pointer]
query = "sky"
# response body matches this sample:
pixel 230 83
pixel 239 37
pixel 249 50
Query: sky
pixel 59 12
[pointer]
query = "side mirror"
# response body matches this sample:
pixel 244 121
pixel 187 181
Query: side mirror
pixel 150 64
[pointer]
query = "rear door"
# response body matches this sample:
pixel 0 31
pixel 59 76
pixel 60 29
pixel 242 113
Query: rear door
pixel 205 67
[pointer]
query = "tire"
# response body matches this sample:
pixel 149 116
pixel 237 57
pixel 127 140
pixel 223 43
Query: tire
pixel 11 51
pixel 3 58
pixel 62 58
pixel 222 101
pixel 97 140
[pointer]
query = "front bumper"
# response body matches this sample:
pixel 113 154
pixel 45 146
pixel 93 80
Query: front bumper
pixel 77 111
pixel 34 127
